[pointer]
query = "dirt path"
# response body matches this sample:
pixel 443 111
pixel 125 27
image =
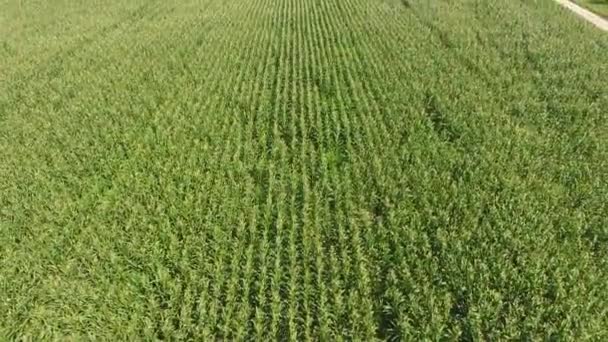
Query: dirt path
pixel 585 14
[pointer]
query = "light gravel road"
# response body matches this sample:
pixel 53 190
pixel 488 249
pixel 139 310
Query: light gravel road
pixel 585 14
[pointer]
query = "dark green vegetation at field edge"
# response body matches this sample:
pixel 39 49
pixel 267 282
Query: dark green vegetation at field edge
pixel 598 6
pixel 305 169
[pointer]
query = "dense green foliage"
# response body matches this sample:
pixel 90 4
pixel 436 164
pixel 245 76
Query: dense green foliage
pixel 302 169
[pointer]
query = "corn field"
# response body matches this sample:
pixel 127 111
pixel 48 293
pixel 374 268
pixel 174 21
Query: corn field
pixel 302 170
